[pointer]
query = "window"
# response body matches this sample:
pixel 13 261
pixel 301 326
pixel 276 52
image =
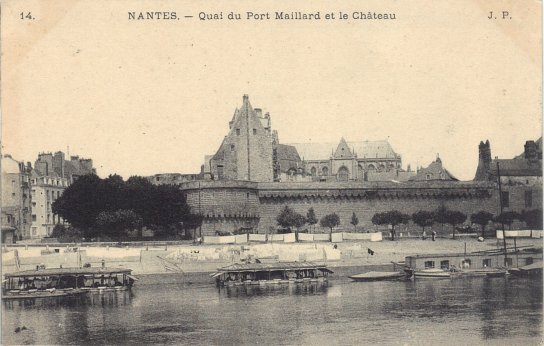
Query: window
pixel 428 177
pixel 325 171
pixel 220 172
pixel 232 147
pixel 343 174
pixel 528 199
pixel 33 217
pixel 313 171
pixel 429 264
pixel 486 263
pixel 254 131
pixel 33 204
pixel 505 198
pixel 445 264
pixel 237 132
pixel 529 260
pixel 34 230
pixel 466 263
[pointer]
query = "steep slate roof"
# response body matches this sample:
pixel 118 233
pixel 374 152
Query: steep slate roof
pixel 287 152
pixel 364 149
pixel 517 167
pixel 287 157
pixel 434 169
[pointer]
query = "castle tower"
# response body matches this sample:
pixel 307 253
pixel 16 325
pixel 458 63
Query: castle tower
pixel 247 151
pixel 484 161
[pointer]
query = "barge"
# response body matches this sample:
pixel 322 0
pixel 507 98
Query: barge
pixel 271 273
pixel 65 282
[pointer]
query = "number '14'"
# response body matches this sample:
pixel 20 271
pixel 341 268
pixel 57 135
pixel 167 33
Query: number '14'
pixel 26 15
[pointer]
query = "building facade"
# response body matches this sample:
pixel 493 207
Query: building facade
pixel 51 175
pixel 16 198
pixel 520 177
pixel 45 191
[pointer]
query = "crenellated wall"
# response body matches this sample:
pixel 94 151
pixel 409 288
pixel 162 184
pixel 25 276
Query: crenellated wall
pixel 226 205
pixel 231 205
pixel 367 199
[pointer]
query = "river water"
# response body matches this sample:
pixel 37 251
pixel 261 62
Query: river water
pixel 160 309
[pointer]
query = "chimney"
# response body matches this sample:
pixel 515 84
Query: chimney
pixel 531 152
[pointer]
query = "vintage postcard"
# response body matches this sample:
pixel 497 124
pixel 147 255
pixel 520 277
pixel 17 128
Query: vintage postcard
pixel 271 172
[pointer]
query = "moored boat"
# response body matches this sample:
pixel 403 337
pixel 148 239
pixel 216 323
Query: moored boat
pixel 433 273
pixel 378 276
pixel 59 282
pixel 270 273
pixel 533 270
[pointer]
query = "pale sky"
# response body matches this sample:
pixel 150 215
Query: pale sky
pixel 147 97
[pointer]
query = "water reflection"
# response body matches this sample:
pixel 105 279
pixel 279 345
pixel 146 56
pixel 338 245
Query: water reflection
pixel 475 310
pixel 314 288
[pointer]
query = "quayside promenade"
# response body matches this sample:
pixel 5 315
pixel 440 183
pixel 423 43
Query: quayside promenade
pixel 158 258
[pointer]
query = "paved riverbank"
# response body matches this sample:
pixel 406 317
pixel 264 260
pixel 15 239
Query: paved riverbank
pixel 206 258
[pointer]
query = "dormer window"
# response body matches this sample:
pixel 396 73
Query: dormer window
pixel 237 132
pixel 254 131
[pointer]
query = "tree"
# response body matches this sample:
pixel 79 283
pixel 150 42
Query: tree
pixel 507 218
pixel 66 234
pixel 311 218
pixel 354 221
pixel 288 218
pixel 81 202
pixel 423 219
pixel 162 208
pixel 441 215
pixel 481 218
pixel 455 218
pixel 532 218
pixel 116 224
pixel 330 221
pixel 392 218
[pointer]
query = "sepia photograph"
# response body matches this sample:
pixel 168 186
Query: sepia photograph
pixel 271 172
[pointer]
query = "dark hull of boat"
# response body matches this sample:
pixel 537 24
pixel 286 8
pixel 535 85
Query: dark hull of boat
pixel 391 278
pixel 39 295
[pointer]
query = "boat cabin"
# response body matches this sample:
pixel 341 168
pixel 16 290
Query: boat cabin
pixel 65 281
pixel 475 260
pixel 279 272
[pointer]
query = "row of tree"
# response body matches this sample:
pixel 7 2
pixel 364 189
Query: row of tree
pixel 112 207
pixel 290 219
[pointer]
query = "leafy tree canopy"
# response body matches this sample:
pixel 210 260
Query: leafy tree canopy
pixel 423 218
pixel 330 221
pixel 354 220
pixel 310 217
pixel 135 203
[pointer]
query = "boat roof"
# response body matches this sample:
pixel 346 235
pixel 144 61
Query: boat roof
pixel 68 272
pixel 536 265
pixel 236 267
pixel 498 252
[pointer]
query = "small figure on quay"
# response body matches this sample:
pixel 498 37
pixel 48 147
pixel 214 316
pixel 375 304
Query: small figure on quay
pixel 433 235
pixel 424 237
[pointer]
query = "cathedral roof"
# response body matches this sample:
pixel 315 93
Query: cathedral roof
pixel 364 149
